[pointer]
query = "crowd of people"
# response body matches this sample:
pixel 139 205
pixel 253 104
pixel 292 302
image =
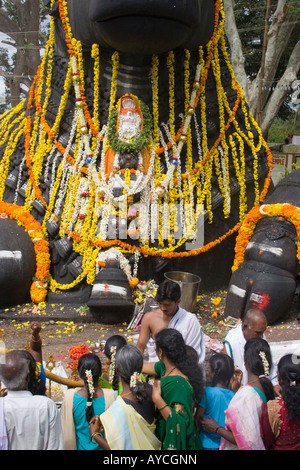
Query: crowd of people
pixel 239 401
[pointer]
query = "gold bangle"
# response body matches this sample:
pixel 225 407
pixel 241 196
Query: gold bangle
pixel 164 406
pixel 96 433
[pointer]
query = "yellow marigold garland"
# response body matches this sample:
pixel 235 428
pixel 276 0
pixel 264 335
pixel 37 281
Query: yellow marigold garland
pixel 10 148
pixel 95 56
pixel 155 66
pixel 170 64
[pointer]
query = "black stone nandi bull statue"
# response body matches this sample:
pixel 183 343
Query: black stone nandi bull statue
pixel 135 149
pixel 268 275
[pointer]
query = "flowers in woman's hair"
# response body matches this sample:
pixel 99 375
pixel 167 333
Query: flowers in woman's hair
pixel 134 378
pixel 38 372
pixel 90 382
pixel 112 366
pixel 265 362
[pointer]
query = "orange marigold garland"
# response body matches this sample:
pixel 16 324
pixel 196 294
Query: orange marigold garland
pixel 39 287
pixel 287 211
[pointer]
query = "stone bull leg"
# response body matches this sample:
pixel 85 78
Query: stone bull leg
pixel 267 278
pixel 257 285
pixel 17 263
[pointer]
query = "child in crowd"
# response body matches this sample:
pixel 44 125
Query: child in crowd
pixel 242 422
pixel 216 398
pixel 109 378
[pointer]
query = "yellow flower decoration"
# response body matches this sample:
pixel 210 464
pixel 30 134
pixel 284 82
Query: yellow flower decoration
pixel 216 300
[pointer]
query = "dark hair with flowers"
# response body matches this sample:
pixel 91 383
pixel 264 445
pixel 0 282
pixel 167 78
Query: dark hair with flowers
pixel 89 370
pixel 112 345
pixel 35 384
pixel 172 344
pixel 289 377
pixel 258 360
pixel 129 364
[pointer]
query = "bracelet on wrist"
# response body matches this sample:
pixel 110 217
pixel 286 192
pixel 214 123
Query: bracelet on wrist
pixel 96 433
pixel 217 429
pixel 162 407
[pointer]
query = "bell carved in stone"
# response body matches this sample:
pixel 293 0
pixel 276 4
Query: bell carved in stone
pixel 111 299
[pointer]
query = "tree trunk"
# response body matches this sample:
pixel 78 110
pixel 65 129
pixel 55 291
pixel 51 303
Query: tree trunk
pixel 278 37
pixel 283 87
pixel 237 57
pixel 279 34
pixel 24 31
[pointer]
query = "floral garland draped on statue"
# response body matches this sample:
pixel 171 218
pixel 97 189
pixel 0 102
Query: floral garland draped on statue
pixel 86 191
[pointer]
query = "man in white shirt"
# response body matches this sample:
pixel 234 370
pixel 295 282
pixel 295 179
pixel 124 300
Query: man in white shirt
pixel 170 315
pixel 254 325
pixel 32 422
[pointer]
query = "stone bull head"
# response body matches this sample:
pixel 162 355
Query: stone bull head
pixel 142 27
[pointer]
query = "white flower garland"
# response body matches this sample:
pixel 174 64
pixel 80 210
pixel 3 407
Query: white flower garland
pixel 112 365
pixel 135 377
pixel 90 383
pixel 265 362
pixel 178 148
pixel 124 263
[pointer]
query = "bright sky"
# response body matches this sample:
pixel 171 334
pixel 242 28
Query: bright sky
pixel 10 50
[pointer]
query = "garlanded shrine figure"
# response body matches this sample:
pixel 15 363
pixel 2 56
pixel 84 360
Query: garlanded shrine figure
pixel 135 118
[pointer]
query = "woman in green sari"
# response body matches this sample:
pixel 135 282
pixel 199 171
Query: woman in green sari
pixel 180 383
